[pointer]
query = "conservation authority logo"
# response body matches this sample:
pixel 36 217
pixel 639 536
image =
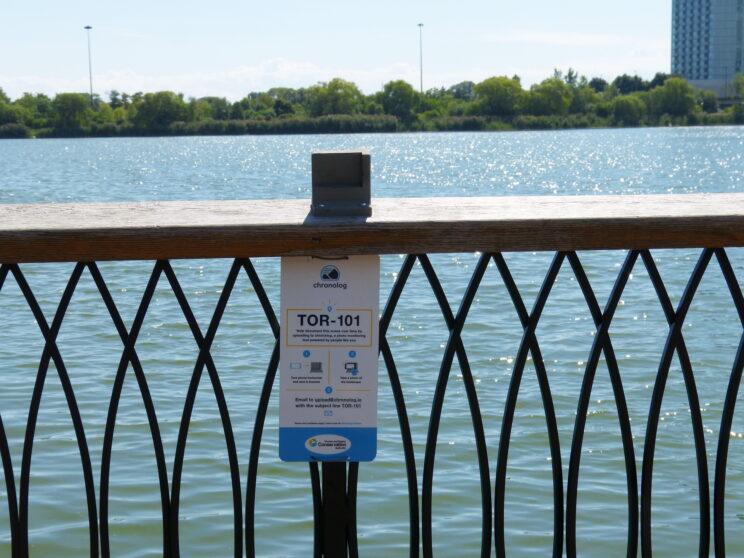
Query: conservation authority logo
pixel 327 444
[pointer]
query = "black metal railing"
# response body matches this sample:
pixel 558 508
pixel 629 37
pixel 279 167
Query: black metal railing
pixel 492 491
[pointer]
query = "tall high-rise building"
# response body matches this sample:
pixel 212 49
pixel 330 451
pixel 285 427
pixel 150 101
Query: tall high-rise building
pixel 708 42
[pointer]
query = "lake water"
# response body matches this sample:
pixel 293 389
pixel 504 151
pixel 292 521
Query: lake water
pixel 457 164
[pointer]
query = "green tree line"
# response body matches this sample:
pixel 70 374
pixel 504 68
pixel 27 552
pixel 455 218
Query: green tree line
pixel 564 100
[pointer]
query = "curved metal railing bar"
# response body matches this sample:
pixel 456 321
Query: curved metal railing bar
pixel 525 346
pixel 8 473
pixel 49 354
pixel 401 280
pixel 317 509
pixel 719 496
pixel 454 347
pixel 263 298
pixel 408 452
pixel 129 356
pixel 599 344
pixel 11 490
pixel 602 322
pixel 693 400
pixel 263 405
pixel 727 416
pixel 675 342
pixel 351 503
pixel 733 285
pixel 400 404
pixel 204 343
pixel 548 407
pixel 353 471
pixel 250 491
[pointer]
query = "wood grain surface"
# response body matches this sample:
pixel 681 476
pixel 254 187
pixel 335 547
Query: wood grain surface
pixel 218 229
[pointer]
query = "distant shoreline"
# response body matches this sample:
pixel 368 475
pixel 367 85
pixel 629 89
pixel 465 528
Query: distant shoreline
pixel 500 103
pixel 227 129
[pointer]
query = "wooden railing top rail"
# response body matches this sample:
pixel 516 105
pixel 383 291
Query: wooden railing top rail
pixel 214 229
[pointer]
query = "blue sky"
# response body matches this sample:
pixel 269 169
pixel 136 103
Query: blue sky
pixel 228 48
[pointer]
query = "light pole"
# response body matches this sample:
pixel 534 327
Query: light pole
pixel 421 57
pixel 90 65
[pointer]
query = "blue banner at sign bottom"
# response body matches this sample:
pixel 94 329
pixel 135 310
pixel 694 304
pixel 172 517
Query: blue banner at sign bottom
pixel 327 444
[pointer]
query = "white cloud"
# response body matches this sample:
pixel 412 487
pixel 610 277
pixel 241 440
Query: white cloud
pixel 233 83
pixel 605 55
pixel 612 55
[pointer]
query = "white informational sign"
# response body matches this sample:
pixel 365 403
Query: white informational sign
pixel 328 358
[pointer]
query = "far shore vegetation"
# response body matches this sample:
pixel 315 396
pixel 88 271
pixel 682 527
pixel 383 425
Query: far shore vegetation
pixel 565 100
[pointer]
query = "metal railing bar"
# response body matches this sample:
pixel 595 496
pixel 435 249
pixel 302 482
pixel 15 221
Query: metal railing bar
pixel 8 473
pixel 317 508
pixel 674 342
pixel 623 416
pixel 727 415
pixel 250 491
pixel 599 343
pixel 263 404
pixel 401 281
pixel 455 324
pixel 263 298
pixel 408 452
pixel 733 285
pixel 658 283
pixel 547 402
pixel 437 289
pixel 511 402
pixel 511 399
pixel 407 441
pixel 512 289
pixel 351 506
pixel 694 402
pixel 49 354
pixel 11 490
pixel 258 428
pixel 129 356
pixel 400 405
pixel 353 476
pixel 205 358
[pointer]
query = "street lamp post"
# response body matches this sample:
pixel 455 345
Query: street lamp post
pixel 90 64
pixel 421 57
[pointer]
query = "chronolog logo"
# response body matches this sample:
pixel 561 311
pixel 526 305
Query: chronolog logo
pixel 330 273
pixel 329 278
